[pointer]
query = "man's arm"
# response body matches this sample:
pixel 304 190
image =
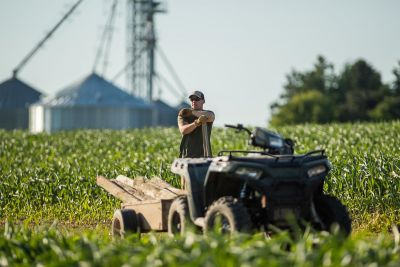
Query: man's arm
pixel 185 127
pixel 209 114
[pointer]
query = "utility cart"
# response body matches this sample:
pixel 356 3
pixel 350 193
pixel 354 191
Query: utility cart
pixel 145 203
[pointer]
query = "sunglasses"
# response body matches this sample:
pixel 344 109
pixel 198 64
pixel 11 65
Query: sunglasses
pixel 195 99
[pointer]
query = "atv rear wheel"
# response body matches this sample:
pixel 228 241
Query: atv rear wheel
pixel 227 215
pixel 124 222
pixel 178 216
pixel 330 210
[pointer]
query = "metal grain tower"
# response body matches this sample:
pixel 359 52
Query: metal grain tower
pixel 141 43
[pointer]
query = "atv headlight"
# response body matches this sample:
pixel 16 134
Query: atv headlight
pixel 316 170
pixel 249 172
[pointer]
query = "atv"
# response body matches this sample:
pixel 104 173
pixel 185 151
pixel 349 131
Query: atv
pixel 256 190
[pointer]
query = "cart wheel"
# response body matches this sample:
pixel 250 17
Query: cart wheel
pixel 178 216
pixel 124 221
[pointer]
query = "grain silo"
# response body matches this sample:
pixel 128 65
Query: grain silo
pixel 166 115
pixel 92 103
pixel 182 104
pixel 15 98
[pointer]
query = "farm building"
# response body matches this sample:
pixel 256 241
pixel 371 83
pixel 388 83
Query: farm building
pixel 15 98
pixel 182 105
pixel 92 103
pixel 166 115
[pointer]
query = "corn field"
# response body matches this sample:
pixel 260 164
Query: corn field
pixel 46 178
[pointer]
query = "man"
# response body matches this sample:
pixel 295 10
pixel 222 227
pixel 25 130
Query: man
pixel 190 123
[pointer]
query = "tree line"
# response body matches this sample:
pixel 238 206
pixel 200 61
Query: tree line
pixel 357 93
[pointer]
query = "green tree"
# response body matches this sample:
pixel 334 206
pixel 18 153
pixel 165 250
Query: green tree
pixel 308 106
pixel 359 91
pixel 320 78
pixel 396 83
pixel 389 107
pixel 356 94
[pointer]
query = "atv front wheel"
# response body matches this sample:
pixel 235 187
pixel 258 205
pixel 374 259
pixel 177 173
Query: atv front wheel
pixel 227 215
pixel 178 216
pixel 124 221
pixel 330 210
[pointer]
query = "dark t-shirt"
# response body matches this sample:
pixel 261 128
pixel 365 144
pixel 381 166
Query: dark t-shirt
pixel 192 143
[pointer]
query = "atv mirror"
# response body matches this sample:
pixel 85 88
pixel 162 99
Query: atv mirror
pixel 266 139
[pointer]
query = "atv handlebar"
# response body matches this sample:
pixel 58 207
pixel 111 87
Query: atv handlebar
pixel 239 127
pixel 271 142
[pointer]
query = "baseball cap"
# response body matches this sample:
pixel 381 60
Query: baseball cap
pixel 198 94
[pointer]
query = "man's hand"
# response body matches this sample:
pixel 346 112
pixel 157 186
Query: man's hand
pixel 185 112
pixel 202 119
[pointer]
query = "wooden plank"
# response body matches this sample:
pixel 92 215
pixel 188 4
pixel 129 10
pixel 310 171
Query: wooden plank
pixel 131 190
pixel 116 190
pixel 125 180
pixel 154 188
pixel 139 189
pixel 156 182
pixel 166 191
pixel 162 189
pixel 138 180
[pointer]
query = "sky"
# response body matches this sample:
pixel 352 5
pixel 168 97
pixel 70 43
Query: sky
pixel 237 53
